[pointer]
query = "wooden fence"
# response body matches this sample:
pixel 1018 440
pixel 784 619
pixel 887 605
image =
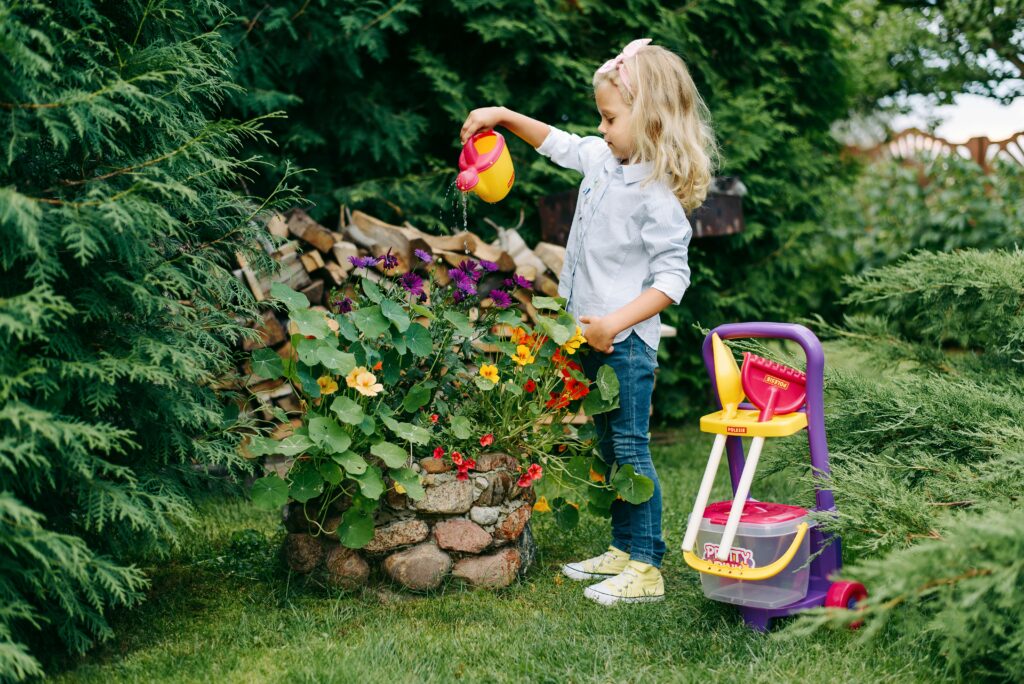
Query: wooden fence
pixel 914 143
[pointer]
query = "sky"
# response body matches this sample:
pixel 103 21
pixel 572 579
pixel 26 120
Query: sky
pixel 971 116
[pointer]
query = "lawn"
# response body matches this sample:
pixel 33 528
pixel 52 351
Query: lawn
pixel 225 609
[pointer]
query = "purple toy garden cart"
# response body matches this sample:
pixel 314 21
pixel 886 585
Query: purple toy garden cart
pixel 760 563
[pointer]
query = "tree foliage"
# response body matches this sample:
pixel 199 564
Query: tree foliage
pixel 117 304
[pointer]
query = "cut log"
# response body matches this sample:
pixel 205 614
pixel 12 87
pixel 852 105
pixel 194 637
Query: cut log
pixel 342 250
pixel 293 273
pixel 378 237
pixel 552 255
pixel 548 286
pixel 315 292
pixel 526 300
pixel 254 283
pixel 312 261
pixel 513 243
pixel 439 272
pixel 335 273
pixel 290 247
pixel 305 228
pixel 278 226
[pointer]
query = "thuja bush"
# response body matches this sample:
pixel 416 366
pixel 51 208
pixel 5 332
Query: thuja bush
pixel 117 304
pixel 927 463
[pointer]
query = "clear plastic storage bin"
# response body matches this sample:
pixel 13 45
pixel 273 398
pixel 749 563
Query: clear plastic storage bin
pixel 765 532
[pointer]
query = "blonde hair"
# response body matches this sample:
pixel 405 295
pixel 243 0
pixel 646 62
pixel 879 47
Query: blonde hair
pixel 671 124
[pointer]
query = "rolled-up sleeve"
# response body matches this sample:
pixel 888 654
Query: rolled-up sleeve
pixel 666 234
pixel 570 150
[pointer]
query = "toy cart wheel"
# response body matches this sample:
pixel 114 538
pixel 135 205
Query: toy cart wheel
pixel 846 595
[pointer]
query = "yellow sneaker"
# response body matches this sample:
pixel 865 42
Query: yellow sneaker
pixel 637 583
pixel 608 564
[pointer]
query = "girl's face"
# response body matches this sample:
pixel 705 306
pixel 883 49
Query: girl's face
pixel 615 115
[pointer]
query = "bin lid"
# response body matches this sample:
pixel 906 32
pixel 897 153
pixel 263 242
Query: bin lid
pixel 754 512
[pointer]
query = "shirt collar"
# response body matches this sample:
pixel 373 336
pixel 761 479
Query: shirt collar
pixel 631 173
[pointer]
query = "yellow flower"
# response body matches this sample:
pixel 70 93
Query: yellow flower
pixel 574 342
pixel 350 380
pixel 542 505
pixel 399 488
pixel 367 385
pixel 490 372
pixel 596 476
pixel 327 384
pixel 523 356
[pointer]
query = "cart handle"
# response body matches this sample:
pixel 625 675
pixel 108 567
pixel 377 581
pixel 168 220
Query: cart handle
pixel 754 574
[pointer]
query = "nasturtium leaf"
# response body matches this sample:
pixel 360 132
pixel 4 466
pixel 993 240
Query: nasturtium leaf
pixel 484 384
pixel 279 413
pixel 399 342
pixel 631 486
pixel 338 361
pixel 372 291
pixel 511 318
pixel 292 299
pixel 262 446
pixel 392 371
pixel 461 323
pixel 370 321
pixel 607 383
pixel 578 467
pixel 356 528
pixel 549 303
pixel 417 397
pixel 600 500
pixel 422 310
pixel 410 480
pixel 346 328
pixel 371 485
pixel 567 516
pixel 557 332
pixel 593 404
pixel 270 492
pixel 352 462
pixel 407 431
pixel 310 322
pixel 331 472
pixel 267 364
pixel 418 341
pixel 308 380
pixel 513 388
pixel 294 444
pixel 308 351
pixel 305 483
pixel 394 312
pixel 393 455
pixel 348 410
pixel 461 427
pixel 330 436
pixel 368 425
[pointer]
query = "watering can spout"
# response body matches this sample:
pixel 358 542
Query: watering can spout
pixel 467 180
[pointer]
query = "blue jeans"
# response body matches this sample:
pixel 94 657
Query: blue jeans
pixel 622 439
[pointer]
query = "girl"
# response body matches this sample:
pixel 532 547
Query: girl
pixel 625 261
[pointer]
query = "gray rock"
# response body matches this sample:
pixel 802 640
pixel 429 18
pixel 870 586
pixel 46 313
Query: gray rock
pixel 484 515
pixel 492 571
pixel 302 552
pixel 420 568
pixel 501 485
pixel 454 496
pixel 345 568
pixel 397 534
pixel 513 524
pixel 493 460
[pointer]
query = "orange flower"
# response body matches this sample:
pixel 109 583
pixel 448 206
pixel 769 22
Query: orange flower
pixel 542 505
pixel 596 476
pixel 377 366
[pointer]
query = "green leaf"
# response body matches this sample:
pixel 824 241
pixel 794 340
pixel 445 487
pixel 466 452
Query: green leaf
pixel 370 321
pixel 418 339
pixel 607 383
pixel 368 425
pixel 410 480
pixel 510 318
pixel 396 314
pixel 594 404
pixel 418 397
pixel 422 310
pixel 294 444
pixel 295 301
pixel 579 467
pixel 348 410
pixel 461 427
pixel 393 455
pixel 407 431
pixel 356 528
pixel 331 472
pixel 270 492
pixel 370 482
pixel 338 361
pixel 567 516
pixel 346 328
pixel 557 332
pixel 262 446
pixel 372 291
pixel 514 389
pixel 306 482
pixel 307 380
pixel 310 322
pixel 484 384
pixel 331 437
pixel 549 303
pixel 600 501
pixel 308 351
pixel 461 323
pixel 266 363
pixel 632 487
pixel 353 463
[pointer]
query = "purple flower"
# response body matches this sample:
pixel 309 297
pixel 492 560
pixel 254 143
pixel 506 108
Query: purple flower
pixel 501 299
pixel 518 281
pixel 343 305
pixel 423 256
pixel 363 262
pixel 470 268
pixel 423 297
pixel 457 275
pixel 457 296
pixel 390 260
pixel 488 266
pixel 466 285
pixel 412 283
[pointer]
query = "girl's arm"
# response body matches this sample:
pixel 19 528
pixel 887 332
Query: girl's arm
pixel 601 330
pixel 530 130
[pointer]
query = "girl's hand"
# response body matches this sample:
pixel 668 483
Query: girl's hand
pixel 598 333
pixel 481 119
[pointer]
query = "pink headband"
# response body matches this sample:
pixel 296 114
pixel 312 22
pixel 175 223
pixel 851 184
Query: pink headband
pixel 620 61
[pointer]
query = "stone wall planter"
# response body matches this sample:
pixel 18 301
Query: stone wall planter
pixel 475 531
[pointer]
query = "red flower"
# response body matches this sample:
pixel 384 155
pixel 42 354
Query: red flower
pixel 530 386
pixel 487 440
pixel 525 480
pixel 439 452
pixel 434 417
pixel 377 366
pixel 456 458
pixel 535 471
pixel 465 465
pixel 559 358
pixel 557 401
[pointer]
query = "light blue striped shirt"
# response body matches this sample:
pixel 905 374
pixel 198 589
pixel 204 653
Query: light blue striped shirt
pixel 627 236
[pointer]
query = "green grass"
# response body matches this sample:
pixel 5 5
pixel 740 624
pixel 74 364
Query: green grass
pixel 224 609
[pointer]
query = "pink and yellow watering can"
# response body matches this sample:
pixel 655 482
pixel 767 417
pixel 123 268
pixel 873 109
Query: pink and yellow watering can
pixel 486 167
